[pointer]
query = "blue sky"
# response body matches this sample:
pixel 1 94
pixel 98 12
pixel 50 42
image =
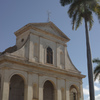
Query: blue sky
pixel 14 14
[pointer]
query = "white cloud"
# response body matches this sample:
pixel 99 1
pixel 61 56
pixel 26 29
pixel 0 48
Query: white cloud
pixel 96 88
pixel 97 81
pixel 97 97
pixel 87 98
pixel 86 91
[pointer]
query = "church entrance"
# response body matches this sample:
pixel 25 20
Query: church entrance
pixel 48 91
pixel 16 91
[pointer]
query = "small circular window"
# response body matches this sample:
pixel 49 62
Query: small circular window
pixel 22 40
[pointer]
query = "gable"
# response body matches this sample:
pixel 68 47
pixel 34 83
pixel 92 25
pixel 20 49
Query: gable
pixel 46 27
pixel 51 28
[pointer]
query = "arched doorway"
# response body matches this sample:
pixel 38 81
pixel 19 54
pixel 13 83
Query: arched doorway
pixel 48 91
pixel 16 91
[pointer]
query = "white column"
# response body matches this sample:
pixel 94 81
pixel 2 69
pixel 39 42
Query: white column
pixel 41 50
pixel 58 89
pixel 29 93
pixel 5 86
pixel 29 88
pixel 40 93
pixel 40 88
pixel 58 57
pixel 67 91
pixel 59 94
pixel 81 94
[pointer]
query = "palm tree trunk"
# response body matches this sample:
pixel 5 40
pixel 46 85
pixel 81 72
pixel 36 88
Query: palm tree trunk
pixel 89 64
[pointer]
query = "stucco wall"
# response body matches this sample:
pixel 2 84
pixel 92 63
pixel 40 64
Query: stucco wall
pixel 34 49
pixel 31 78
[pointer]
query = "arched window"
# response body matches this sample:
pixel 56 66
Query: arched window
pixel 48 91
pixel 16 90
pixel 49 55
pixel 73 93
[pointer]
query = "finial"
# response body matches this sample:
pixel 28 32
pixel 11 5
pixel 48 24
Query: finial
pixel 48 15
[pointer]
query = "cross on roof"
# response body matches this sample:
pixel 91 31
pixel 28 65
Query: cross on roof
pixel 49 16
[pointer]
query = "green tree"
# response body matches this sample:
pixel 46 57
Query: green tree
pixel 79 10
pixel 97 68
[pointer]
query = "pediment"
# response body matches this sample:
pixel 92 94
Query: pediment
pixel 46 27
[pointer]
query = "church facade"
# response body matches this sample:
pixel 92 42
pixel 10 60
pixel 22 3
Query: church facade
pixel 38 67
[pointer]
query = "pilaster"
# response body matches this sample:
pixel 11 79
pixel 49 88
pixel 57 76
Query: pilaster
pixel 5 86
pixel 29 87
pixel 67 90
pixel 40 89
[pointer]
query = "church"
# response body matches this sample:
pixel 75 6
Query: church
pixel 38 66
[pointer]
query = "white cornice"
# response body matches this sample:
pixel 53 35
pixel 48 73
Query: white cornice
pixel 39 66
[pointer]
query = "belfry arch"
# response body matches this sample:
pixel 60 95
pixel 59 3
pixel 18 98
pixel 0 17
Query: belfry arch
pixel 16 88
pixel 48 91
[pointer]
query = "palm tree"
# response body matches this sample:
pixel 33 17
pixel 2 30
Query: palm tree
pixel 97 68
pixel 79 10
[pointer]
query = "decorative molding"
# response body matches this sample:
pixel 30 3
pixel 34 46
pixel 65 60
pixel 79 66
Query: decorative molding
pixel 33 26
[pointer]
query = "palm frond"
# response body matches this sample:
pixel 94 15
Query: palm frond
pixel 97 12
pixel 90 22
pixel 78 21
pixel 74 19
pixel 96 68
pixel 96 60
pixel 80 9
pixel 66 2
pixel 72 10
pixel 95 8
pixel 96 74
